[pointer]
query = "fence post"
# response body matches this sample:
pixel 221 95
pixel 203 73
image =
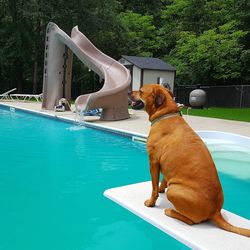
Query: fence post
pixel 241 95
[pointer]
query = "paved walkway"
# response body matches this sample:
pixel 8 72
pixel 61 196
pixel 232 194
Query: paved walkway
pixel 138 123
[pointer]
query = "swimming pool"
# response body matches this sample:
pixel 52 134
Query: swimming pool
pixel 52 178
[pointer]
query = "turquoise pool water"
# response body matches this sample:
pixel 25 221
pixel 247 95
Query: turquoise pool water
pixel 52 178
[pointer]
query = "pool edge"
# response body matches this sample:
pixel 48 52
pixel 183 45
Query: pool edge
pixel 126 133
pixel 112 130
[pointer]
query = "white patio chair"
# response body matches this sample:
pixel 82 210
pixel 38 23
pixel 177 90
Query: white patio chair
pixel 38 98
pixel 5 95
pixel 26 97
pixel 18 97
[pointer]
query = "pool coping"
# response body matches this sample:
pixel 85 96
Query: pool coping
pixel 122 132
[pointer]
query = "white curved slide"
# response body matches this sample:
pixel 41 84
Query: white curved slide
pixel 112 98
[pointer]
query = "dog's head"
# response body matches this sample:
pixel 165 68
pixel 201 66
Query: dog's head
pixel 157 100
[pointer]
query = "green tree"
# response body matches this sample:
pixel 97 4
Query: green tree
pixel 206 24
pixel 144 7
pixel 139 34
pixel 208 41
pixel 22 35
pixel 214 56
pixel 15 43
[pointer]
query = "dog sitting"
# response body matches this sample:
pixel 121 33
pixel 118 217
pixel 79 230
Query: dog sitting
pixel 188 170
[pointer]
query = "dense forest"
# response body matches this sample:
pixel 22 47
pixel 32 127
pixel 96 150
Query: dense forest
pixel 207 41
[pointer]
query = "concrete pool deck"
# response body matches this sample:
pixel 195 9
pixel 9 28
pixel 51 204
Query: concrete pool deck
pixel 138 123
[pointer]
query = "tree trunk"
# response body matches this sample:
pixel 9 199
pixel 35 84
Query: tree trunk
pixel 19 75
pixel 35 76
pixel 36 47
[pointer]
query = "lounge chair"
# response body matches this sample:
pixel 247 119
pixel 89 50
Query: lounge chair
pixel 38 98
pixel 26 97
pixel 5 96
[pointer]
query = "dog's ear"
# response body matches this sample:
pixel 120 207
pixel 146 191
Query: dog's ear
pixel 159 99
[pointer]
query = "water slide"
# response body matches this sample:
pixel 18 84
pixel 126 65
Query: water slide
pixel 59 49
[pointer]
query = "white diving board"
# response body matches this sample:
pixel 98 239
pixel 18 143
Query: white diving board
pixel 201 236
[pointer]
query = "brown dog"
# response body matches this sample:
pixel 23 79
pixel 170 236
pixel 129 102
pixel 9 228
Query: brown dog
pixel 187 167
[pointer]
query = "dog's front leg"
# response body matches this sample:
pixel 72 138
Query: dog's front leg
pixel 155 173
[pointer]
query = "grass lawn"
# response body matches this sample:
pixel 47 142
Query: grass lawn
pixel 237 114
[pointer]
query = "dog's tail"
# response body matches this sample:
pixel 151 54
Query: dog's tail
pixel 222 223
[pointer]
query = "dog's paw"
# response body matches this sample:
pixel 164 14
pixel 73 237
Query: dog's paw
pixel 149 203
pixel 161 190
pixel 168 211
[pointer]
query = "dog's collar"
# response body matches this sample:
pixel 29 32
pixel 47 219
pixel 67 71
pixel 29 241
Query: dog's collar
pixel 169 115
